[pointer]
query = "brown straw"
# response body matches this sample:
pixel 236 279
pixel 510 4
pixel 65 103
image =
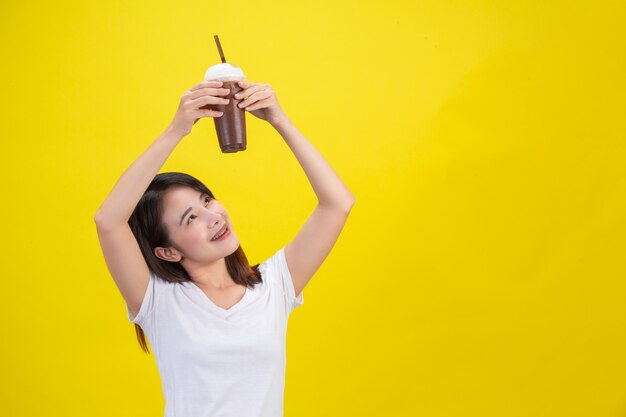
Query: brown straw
pixel 219 48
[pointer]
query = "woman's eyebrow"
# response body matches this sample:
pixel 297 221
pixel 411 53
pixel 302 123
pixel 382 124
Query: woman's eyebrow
pixel 187 211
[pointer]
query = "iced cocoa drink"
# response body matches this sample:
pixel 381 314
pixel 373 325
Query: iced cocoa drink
pixel 231 126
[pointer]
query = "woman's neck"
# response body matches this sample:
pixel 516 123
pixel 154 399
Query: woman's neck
pixel 214 275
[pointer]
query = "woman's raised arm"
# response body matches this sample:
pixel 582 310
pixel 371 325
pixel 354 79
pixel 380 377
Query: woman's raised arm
pixel 123 198
pixel 121 250
pixel 306 252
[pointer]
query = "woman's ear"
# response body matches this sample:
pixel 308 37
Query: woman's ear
pixel 168 254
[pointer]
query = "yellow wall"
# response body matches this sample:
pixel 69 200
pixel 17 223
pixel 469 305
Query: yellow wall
pixel 481 272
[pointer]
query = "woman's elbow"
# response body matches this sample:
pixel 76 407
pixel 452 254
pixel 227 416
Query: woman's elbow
pixel 349 203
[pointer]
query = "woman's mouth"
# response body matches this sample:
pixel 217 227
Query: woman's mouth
pixel 222 234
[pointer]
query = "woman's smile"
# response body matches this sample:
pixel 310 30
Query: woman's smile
pixel 222 234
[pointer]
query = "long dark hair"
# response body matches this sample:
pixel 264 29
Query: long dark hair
pixel 149 230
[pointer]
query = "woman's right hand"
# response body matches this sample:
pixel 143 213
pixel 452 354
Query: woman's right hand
pixel 189 112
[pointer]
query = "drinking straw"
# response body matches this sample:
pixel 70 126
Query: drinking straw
pixel 219 48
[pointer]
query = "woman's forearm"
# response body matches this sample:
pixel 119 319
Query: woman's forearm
pixel 328 187
pixel 123 198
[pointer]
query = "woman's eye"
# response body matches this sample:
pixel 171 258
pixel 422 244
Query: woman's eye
pixel 207 199
pixel 190 218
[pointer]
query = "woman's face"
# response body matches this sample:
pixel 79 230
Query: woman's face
pixel 193 219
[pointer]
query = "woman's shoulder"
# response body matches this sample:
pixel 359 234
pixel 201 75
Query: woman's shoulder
pixel 273 260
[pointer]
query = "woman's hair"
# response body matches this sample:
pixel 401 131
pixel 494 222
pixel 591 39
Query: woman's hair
pixel 146 223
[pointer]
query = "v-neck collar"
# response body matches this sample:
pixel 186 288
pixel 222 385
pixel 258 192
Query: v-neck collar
pixel 223 312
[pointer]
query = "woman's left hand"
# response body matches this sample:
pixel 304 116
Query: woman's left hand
pixel 260 100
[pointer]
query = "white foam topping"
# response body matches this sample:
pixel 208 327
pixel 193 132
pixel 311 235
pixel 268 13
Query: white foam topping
pixel 224 71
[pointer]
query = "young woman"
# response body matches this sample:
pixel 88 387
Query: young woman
pixel 216 323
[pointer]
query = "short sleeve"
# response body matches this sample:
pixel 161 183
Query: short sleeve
pixel 147 304
pixel 278 270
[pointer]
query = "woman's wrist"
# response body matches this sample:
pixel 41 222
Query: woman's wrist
pixel 171 134
pixel 281 122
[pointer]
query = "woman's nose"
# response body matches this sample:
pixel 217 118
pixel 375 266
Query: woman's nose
pixel 213 219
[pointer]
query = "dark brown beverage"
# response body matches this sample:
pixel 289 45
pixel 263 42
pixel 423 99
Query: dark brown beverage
pixel 231 126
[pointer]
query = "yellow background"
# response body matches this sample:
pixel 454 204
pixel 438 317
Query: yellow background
pixel 481 272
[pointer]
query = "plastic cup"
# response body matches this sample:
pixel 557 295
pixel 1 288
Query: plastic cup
pixel 231 126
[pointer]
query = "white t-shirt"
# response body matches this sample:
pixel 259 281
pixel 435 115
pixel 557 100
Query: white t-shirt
pixel 215 362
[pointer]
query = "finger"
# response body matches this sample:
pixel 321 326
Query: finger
pixel 205 83
pixel 248 91
pixel 259 105
pixel 208 92
pixel 255 97
pixel 208 113
pixel 245 84
pixel 245 94
pixel 201 101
